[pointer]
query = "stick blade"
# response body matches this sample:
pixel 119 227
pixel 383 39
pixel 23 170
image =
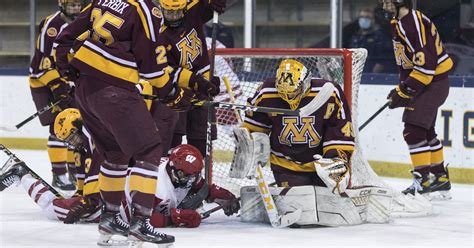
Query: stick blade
pixel 319 100
pixel 8 128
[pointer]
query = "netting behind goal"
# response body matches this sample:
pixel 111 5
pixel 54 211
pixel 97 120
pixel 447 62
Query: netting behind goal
pixel 247 68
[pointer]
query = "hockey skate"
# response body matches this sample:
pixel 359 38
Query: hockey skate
pixel 11 174
pixel 110 226
pixel 440 186
pixel 62 182
pixel 142 231
pixel 420 184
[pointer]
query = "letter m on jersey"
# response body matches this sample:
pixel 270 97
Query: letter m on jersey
pixel 190 48
pixel 299 130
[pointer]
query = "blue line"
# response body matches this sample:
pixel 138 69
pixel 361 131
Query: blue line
pixel 466 81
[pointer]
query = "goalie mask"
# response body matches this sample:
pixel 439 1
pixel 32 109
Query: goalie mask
pixel 392 7
pixel 186 164
pixel 67 127
pixel 293 81
pixel 71 8
pixel 173 12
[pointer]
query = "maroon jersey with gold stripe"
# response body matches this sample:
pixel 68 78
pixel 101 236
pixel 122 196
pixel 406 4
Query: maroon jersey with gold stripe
pixel 293 139
pixel 42 67
pixel 419 51
pixel 186 45
pixel 116 41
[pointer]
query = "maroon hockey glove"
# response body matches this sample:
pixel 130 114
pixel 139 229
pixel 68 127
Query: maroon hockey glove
pixel 85 206
pixel 185 217
pixel 224 198
pixel 160 220
pixel 399 97
pixel 204 86
pixel 218 5
pixel 180 99
pixel 60 90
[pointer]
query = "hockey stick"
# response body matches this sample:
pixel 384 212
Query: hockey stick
pixel 276 220
pixel 39 112
pixel 374 115
pixel 318 101
pixel 15 160
pixel 210 109
pixel 228 87
pixel 208 213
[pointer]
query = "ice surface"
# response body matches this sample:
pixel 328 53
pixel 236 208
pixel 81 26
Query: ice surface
pixel 23 225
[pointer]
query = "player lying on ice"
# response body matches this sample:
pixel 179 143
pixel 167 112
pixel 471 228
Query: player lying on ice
pixel 309 155
pixel 180 189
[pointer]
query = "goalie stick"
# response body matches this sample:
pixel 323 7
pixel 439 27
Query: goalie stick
pixel 39 112
pixel 13 159
pixel 318 101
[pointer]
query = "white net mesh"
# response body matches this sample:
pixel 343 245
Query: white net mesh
pixel 247 70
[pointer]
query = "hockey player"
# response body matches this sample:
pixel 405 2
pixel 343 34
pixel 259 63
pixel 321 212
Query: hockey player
pixel 182 190
pixel 182 34
pixel 295 140
pixel 115 47
pixel 423 88
pixel 47 86
pixel 111 58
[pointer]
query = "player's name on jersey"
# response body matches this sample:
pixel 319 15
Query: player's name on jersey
pixel 116 5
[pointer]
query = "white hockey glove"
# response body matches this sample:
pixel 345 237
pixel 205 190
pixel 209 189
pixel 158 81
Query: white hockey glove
pixel 334 172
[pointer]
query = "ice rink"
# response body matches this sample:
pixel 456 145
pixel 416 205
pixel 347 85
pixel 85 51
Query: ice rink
pixel 23 225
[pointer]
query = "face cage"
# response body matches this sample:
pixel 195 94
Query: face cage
pixel 74 141
pixel 183 180
pixel 68 6
pixel 173 18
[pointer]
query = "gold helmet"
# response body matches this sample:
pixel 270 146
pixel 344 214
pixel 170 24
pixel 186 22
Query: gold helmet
pixel 67 126
pixel 293 81
pixel 173 12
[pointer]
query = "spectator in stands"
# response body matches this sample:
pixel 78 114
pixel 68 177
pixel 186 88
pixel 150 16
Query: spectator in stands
pixel 371 37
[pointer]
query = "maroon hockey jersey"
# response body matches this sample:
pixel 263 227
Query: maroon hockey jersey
pixel 293 139
pixel 116 41
pixel 419 51
pixel 42 68
pixel 186 45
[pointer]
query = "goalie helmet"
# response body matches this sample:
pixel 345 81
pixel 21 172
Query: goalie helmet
pixel 173 12
pixel 67 126
pixel 186 162
pixel 71 8
pixel 293 81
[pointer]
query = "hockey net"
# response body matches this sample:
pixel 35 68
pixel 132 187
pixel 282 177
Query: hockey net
pixel 247 68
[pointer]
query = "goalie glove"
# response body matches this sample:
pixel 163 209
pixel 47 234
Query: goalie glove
pixel 334 172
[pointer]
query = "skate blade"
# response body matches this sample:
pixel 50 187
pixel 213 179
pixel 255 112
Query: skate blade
pixel 109 240
pixel 440 196
pixel 135 243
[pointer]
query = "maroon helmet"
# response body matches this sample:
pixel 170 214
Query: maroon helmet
pixel 187 158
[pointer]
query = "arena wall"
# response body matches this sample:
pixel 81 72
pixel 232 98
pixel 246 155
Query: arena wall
pixel 382 140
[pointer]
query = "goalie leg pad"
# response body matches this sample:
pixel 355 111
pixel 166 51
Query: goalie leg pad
pixel 320 206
